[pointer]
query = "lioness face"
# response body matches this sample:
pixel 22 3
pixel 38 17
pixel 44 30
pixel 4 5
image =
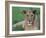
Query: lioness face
pixel 29 16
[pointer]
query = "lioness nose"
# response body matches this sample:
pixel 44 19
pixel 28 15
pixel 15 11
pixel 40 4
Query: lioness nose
pixel 29 21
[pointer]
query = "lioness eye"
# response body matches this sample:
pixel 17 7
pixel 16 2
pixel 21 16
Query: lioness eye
pixel 27 15
pixel 31 15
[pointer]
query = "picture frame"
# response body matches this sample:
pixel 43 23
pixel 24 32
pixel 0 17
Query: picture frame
pixel 8 18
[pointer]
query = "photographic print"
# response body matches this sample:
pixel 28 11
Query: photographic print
pixel 25 18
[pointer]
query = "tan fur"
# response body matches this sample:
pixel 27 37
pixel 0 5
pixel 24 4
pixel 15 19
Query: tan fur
pixel 27 25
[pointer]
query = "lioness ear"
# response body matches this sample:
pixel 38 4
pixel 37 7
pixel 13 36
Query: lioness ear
pixel 34 11
pixel 24 11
